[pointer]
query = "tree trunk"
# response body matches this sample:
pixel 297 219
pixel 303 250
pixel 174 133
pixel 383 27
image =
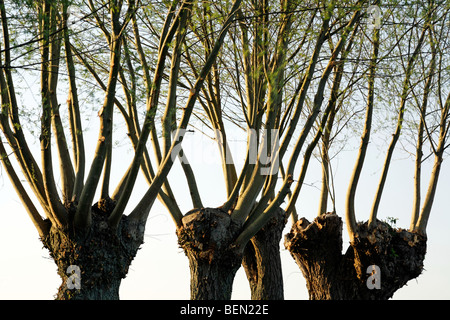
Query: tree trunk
pixel 207 237
pixel 377 263
pixel 92 263
pixel 262 261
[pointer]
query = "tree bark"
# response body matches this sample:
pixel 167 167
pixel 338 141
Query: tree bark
pixel 378 262
pixel 207 236
pixel 92 263
pixel 262 260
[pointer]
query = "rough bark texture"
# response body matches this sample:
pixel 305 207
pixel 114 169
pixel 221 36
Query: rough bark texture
pixel 262 261
pixel 207 237
pixel 101 255
pixel 331 275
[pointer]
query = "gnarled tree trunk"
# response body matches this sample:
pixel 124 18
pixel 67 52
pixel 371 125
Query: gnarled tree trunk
pixel 262 261
pixel 377 263
pixel 93 263
pixel 207 236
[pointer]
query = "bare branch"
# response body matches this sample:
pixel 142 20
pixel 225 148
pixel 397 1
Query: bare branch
pixel 350 199
pixel 141 210
pixel 396 135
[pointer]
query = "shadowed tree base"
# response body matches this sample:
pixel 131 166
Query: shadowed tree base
pixel 262 260
pixel 100 257
pixel 331 275
pixel 207 238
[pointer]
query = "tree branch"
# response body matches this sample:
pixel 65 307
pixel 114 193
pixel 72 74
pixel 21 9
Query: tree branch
pixel 350 199
pixel 83 214
pixel 55 205
pixel 141 210
pixel 34 215
pixel 396 135
pixel 167 35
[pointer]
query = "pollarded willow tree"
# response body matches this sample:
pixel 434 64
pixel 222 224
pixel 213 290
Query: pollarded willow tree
pixel 407 68
pixel 273 74
pixel 272 98
pixel 94 238
pixel 302 69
